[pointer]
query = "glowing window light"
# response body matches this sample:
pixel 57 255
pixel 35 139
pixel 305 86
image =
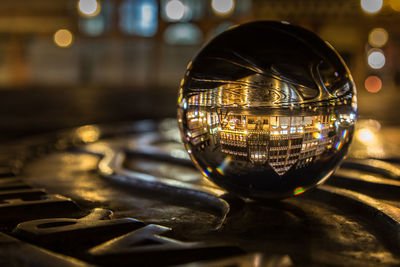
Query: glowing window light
pixel 365 135
pixel 63 38
pixel 376 59
pixel 318 125
pixel 371 6
pixel 175 10
pixel 89 8
pixel 139 17
pixel 223 7
pixel 378 37
pixel 317 135
pixel 373 84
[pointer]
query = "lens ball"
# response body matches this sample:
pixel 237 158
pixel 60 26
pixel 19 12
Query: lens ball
pixel 267 110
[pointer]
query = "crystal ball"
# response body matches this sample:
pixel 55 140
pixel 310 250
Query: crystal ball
pixel 267 110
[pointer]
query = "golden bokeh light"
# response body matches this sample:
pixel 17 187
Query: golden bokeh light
pixel 395 5
pixel 373 84
pixel 378 37
pixel 89 8
pixel 63 38
pixel 223 7
pixel 371 6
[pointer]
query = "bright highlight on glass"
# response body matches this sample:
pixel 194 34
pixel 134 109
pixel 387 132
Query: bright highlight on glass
pixel 371 6
pixel 175 10
pixel 89 8
pixel 378 37
pixel 376 59
pixel 373 84
pixel 222 7
pixel 63 38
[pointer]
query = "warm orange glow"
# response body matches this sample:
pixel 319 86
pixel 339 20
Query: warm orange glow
pixel 373 84
pixel 88 133
pixel 63 38
pixel 395 5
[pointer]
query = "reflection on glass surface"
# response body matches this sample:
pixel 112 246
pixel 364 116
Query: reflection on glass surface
pixel 271 114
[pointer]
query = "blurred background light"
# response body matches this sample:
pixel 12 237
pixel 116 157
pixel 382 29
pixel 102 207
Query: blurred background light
pixel 371 6
pixel 93 27
pixel 376 59
pixel 395 5
pixel 182 10
pixel 139 17
pixel 373 84
pixel 223 7
pixel 63 38
pixel 89 8
pixel 100 24
pixel 378 37
pixel 365 135
pixel 183 34
pixel 175 10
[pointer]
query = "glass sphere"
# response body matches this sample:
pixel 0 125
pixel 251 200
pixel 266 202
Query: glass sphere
pixel 267 110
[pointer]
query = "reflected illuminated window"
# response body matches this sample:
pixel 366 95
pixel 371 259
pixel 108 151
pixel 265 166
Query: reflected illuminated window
pixel 99 24
pixel 139 17
pixel 183 34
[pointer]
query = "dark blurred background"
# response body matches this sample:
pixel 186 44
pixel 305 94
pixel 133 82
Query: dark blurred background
pixel 67 62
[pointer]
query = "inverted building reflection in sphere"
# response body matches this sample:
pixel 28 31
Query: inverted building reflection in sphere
pixel 267 110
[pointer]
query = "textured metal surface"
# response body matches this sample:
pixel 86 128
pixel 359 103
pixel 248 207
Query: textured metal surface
pixel 128 195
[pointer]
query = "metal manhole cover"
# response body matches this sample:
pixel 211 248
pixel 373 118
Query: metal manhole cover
pixel 129 195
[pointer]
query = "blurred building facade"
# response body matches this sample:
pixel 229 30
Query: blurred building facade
pixel 145 45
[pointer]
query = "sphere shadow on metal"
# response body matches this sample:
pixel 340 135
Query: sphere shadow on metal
pixel 267 110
